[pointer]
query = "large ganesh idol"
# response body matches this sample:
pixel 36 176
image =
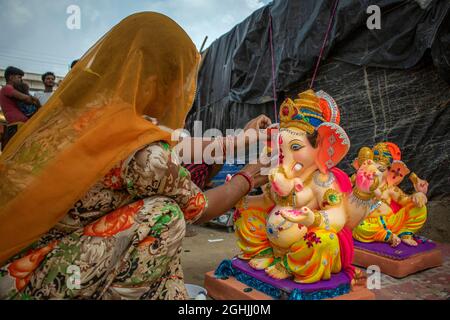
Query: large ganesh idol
pixel 300 227
pixel 400 215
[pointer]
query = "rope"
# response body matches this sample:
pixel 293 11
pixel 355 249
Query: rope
pixel 275 108
pixel 336 2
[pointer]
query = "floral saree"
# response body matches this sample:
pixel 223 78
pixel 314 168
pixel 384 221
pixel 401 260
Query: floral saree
pixel 121 240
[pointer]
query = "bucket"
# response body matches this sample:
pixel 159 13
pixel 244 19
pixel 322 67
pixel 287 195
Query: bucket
pixel 196 292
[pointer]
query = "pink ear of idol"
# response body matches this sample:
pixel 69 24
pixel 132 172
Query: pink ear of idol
pixel 355 164
pixel 398 170
pixel 332 138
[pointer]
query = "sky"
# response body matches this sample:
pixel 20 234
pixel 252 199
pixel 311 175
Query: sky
pixel 35 36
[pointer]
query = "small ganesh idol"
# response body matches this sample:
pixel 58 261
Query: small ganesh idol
pixel 399 215
pixel 300 227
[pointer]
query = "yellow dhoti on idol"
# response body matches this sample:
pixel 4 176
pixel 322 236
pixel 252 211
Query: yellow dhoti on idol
pixel 405 222
pixel 313 258
pixel 251 228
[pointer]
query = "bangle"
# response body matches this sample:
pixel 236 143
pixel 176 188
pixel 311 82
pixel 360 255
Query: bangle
pixel 248 178
pixel 388 236
pixel 317 219
pixel 361 195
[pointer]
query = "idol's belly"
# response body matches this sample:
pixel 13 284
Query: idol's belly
pixel 283 233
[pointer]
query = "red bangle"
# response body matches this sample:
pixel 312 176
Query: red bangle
pixel 248 178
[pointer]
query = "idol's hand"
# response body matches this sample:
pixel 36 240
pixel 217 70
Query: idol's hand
pixel 304 216
pixel 419 199
pixel 421 186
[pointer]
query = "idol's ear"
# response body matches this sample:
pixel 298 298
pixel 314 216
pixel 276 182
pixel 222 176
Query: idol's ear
pixel 355 164
pixel 397 172
pixel 394 150
pixel 333 145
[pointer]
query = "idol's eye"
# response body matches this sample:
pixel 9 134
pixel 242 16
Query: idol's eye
pixel 296 146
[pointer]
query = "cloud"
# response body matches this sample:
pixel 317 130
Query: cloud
pixel 35 36
pixel 210 18
pixel 17 9
pixel 254 4
pixel 228 19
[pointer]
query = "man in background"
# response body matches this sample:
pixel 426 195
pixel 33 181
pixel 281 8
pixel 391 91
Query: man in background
pixel 9 97
pixel 48 79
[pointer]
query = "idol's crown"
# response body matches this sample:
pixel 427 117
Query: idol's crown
pixel 304 113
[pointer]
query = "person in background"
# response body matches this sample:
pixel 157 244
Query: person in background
pixel 26 108
pixel 74 62
pixel 2 125
pixel 48 79
pixel 9 97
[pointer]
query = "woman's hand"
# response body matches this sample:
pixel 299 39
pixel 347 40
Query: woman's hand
pixel 254 171
pixel 259 125
pixel 260 122
pixel 224 197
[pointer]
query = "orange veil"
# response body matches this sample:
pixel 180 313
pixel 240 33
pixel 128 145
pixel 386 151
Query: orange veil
pixel 145 65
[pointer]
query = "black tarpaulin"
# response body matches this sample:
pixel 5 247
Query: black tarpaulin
pixel 390 83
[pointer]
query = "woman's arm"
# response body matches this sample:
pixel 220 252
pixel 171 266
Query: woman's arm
pixel 153 171
pixel 223 198
pixel 212 172
pixel 250 135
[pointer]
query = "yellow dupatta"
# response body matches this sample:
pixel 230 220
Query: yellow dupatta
pixel 145 65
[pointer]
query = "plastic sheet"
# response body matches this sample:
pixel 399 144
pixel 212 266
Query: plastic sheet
pixel 391 84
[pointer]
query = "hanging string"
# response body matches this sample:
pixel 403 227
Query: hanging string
pixel 275 109
pixel 336 2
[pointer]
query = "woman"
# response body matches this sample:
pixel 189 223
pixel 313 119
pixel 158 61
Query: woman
pixel 93 204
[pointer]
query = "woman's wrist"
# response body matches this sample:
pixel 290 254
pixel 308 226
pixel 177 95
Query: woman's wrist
pixel 248 180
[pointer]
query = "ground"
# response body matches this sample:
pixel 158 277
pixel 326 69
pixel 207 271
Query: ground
pixel 200 256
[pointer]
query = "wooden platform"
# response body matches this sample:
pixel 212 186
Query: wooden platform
pixel 232 289
pixel 399 268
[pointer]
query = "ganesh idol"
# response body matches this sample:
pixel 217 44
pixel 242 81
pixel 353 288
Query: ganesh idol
pixel 400 215
pixel 300 227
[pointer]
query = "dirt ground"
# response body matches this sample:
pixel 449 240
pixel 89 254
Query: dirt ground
pixel 200 256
